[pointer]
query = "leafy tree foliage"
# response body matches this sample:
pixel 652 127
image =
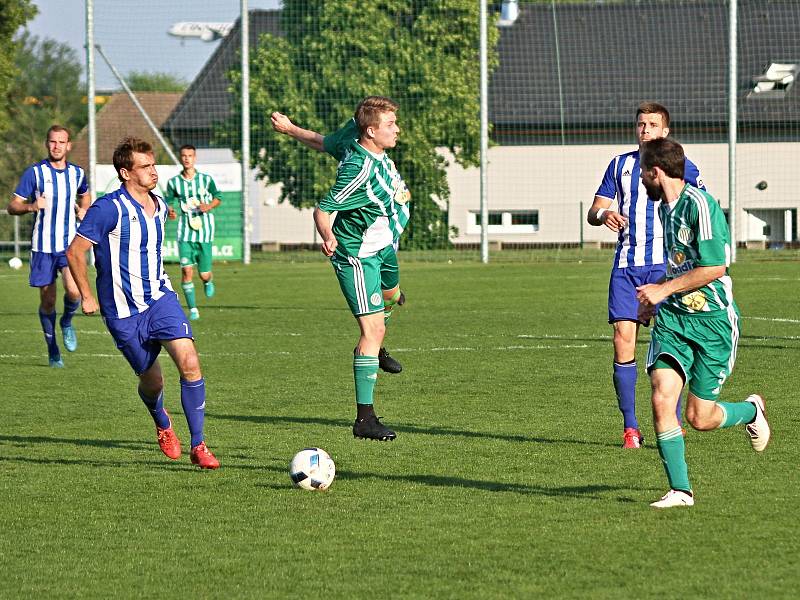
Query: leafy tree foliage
pixel 141 81
pixel 13 14
pixel 47 90
pixel 422 53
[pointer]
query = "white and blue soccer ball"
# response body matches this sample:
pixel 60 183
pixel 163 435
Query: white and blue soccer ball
pixel 312 469
pixel 15 263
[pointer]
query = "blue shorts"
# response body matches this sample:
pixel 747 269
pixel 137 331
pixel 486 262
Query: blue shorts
pixel 139 336
pixel 622 302
pixel 45 267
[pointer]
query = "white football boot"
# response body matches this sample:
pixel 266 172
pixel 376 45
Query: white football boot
pixel 674 498
pixel 758 430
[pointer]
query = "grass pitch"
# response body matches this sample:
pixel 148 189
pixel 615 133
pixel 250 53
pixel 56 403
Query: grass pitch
pixel 507 478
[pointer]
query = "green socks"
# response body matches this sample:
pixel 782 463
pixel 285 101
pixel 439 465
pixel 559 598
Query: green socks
pixel 736 413
pixel 672 450
pixel 365 374
pixel 188 291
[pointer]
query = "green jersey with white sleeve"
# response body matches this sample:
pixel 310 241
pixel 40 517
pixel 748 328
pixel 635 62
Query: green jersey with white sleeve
pixel 338 145
pixel 696 234
pixel 193 224
pixel 365 198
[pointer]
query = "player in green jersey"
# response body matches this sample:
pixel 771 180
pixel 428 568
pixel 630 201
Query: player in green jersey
pixel 359 244
pixel 697 329
pixel 337 144
pixel 196 194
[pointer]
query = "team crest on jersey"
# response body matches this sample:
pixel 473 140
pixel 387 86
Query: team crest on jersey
pixel 685 235
pixel 695 300
pixel 375 299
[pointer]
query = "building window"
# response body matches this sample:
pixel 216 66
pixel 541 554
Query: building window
pixel 507 221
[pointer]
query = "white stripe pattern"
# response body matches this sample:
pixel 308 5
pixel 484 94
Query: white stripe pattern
pixel 351 187
pixel 359 284
pixel 704 213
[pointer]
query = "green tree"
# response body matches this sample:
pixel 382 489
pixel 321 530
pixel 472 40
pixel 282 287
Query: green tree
pixel 47 90
pixel 13 14
pixel 141 81
pixel 423 54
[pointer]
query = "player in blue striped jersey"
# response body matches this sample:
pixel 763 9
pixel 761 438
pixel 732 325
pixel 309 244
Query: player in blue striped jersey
pixel 639 257
pixel 139 307
pixel 58 192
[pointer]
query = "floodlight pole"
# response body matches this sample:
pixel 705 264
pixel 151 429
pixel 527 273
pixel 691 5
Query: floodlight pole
pixel 245 32
pixel 90 98
pixel 484 68
pixel 732 124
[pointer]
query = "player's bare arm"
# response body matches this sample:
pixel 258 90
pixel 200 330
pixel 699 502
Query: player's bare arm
pixel 653 293
pixel 323 222
pixel 600 213
pixel 82 205
pixel 17 206
pixel 282 124
pixel 76 257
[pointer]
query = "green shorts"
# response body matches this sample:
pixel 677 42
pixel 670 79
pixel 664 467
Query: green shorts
pixel 703 347
pixel 196 253
pixel 363 279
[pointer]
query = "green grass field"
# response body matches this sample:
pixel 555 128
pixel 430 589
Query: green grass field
pixel 507 478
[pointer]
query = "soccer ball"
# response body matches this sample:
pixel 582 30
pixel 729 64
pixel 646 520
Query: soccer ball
pixel 312 469
pixel 15 263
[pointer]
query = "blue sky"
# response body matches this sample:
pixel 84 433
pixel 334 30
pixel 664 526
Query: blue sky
pixel 134 34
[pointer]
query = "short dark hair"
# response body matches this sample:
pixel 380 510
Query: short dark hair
pixel 652 108
pixel 123 153
pixel 370 109
pixel 57 127
pixel 664 153
pixel 187 147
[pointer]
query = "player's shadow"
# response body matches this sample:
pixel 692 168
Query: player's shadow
pixel 591 491
pixel 24 441
pixel 409 428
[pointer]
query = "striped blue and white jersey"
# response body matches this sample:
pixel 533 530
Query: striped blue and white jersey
pixel 55 225
pixel 128 253
pixel 641 242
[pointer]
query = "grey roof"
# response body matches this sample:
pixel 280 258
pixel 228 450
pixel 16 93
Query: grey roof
pixel 609 57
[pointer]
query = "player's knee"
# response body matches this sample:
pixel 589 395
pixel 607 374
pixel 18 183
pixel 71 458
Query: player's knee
pixel 700 421
pixel 189 366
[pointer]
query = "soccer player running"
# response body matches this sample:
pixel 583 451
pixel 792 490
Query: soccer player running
pixel 338 144
pixel 359 244
pixel 639 257
pixel 58 192
pixel 139 307
pixel 196 195
pixel 697 329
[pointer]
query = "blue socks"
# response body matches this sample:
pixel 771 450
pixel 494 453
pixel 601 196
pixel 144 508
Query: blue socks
pixel 156 408
pixel 625 375
pixel 49 328
pixel 70 308
pixel 193 400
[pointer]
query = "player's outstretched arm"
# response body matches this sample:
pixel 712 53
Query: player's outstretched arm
pixel 76 257
pixel 282 124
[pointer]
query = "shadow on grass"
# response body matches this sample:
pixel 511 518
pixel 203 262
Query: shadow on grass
pixel 590 491
pixel 437 430
pixel 29 440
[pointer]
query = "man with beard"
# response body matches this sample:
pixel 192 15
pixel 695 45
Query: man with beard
pixel 695 336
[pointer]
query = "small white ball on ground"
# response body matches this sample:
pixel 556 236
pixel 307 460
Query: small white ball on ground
pixel 15 263
pixel 312 469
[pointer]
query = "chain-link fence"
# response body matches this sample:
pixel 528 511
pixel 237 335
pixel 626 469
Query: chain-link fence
pixel 565 81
